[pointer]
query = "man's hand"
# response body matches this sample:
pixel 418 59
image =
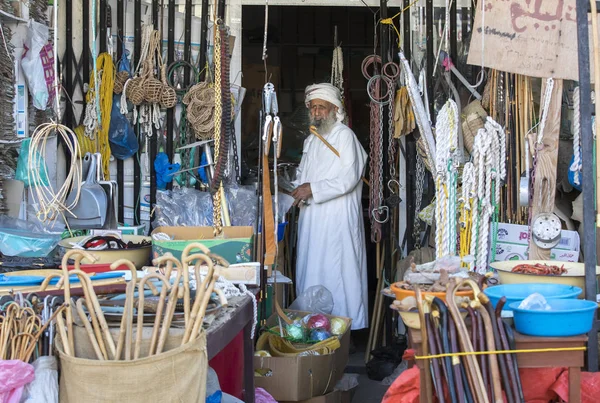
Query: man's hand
pixel 302 192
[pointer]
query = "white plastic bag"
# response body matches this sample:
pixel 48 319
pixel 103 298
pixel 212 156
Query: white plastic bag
pixel 316 299
pixel 44 388
pixel 37 37
pixel 535 302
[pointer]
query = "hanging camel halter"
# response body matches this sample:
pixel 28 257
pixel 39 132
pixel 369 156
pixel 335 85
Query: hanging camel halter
pixel 271 130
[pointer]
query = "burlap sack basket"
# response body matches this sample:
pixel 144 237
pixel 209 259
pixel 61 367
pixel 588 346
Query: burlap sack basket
pixel 177 375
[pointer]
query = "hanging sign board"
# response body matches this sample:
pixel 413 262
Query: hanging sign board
pixel 535 38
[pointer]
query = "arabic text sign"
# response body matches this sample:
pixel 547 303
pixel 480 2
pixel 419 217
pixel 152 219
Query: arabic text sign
pixel 536 38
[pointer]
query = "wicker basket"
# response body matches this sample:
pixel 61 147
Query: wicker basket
pixel 120 80
pixel 135 90
pixel 168 98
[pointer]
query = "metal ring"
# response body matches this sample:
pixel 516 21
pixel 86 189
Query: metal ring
pixel 378 210
pixel 367 61
pixel 395 69
pixel 386 97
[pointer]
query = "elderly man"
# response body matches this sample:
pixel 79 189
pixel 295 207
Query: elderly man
pixel 331 240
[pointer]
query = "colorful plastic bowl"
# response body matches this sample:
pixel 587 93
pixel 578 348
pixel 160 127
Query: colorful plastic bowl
pixel 567 317
pixel 401 293
pixel 518 292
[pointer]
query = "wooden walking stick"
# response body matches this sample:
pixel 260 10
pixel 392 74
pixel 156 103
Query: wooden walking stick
pixel 424 346
pixel 67 285
pixel 126 329
pixel 204 303
pixel 161 303
pixel 200 289
pixel 184 261
pixel 140 315
pixel 173 297
pixel 88 328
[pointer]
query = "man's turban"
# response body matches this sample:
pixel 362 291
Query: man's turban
pixel 326 92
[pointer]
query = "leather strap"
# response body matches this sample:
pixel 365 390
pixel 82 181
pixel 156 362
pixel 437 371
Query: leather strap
pixel 268 230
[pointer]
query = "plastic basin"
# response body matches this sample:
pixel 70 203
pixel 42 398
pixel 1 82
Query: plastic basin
pixel 401 293
pixel 575 273
pixel 138 256
pixel 567 317
pixel 518 292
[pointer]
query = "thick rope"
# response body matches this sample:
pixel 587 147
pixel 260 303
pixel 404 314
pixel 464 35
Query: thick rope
pixel 218 115
pixel 576 165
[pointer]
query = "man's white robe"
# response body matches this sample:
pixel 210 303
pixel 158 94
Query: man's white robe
pixel 331 238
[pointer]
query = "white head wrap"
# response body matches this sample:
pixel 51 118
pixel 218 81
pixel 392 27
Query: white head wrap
pixel 326 92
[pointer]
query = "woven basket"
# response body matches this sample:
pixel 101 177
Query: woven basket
pixel 168 97
pixel 120 80
pixel 135 90
pixel 152 90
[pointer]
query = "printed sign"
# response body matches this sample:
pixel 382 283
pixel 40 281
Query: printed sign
pixel 536 38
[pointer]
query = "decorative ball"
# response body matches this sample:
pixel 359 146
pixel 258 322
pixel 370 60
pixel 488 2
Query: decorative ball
pixel 338 326
pixel 262 353
pixel 318 321
pixel 317 335
pixel 296 331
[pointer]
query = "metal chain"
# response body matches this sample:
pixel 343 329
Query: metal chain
pixel 380 157
pixel 420 179
pixel 373 174
pixel 236 162
pixel 391 140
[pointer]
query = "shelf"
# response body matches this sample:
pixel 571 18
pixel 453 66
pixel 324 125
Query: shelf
pixel 9 17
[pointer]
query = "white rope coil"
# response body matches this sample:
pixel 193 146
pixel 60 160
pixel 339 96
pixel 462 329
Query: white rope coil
pixel 576 165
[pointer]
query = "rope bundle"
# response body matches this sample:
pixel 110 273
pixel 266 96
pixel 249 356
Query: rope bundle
pixel 99 132
pixel 200 102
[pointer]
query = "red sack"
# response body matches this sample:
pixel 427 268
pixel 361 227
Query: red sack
pixel 405 388
pixel 590 386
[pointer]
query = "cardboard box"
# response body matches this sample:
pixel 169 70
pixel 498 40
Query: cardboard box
pixel 235 246
pixel 297 378
pixel 331 397
pixel 519 235
pixel 507 251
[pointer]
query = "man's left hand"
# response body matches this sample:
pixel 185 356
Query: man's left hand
pixel 302 192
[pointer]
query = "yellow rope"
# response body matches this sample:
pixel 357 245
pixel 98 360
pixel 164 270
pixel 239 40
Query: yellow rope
pixel 390 21
pixel 217 225
pixel 532 350
pixel 105 65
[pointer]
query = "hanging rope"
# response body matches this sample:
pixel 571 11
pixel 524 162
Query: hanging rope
pixel 98 125
pixel 218 115
pixel 447 162
pixel 576 165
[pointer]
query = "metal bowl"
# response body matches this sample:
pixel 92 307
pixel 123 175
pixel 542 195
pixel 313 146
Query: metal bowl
pixel 575 273
pixel 139 256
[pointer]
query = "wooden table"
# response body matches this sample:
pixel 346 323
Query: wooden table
pixel 573 360
pixel 222 333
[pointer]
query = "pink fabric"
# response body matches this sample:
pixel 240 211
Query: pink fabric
pixel 14 375
pixel 262 396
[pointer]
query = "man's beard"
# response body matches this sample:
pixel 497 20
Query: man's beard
pixel 324 125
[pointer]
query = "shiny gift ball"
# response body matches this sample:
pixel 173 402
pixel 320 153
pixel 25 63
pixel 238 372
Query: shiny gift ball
pixel 338 326
pixel 318 321
pixel 317 335
pixel 296 331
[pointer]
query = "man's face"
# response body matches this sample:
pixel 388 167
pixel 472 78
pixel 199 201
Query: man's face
pixel 322 114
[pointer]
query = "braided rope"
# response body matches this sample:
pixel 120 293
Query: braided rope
pixel 446 179
pixel 217 225
pixel 576 165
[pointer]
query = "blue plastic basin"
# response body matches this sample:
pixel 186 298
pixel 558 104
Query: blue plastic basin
pixel 567 317
pixel 518 292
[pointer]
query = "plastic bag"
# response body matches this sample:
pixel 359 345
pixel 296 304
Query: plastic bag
pixel 285 203
pixel 388 380
pixel 348 382
pixel 262 396
pixel 14 375
pixel 37 37
pixel 44 388
pixel 38 165
pixel 242 205
pixel 164 170
pixel 535 302
pixel 25 239
pixel 184 208
pixel 315 299
pixel 123 142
